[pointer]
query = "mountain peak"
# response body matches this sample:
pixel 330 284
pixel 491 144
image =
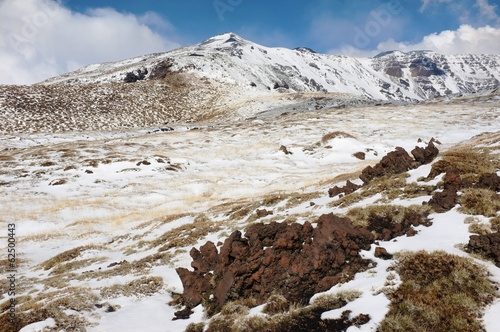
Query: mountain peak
pixel 224 39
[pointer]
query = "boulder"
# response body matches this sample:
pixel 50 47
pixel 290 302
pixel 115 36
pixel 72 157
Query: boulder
pixel 425 155
pixel 486 245
pixel 347 189
pixel 382 253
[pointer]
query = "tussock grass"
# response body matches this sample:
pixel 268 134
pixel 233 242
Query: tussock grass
pixel 68 255
pixel 479 201
pixel 478 227
pixel 185 235
pixel 76 265
pixel 495 224
pixel 330 301
pixel 279 315
pixel 361 216
pixel 391 187
pixel 54 305
pixel 328 137
pixel 440 292
pixel 470 162
pixel 139 287
pixel 276 304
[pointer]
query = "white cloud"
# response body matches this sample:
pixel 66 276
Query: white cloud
pixel 426 3
pixel 466 39
pixel 42 38
pixel 487 10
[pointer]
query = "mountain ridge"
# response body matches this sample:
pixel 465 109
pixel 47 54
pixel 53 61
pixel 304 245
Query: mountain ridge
pixel 393 75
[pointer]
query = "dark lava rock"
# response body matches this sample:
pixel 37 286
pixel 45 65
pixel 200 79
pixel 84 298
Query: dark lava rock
pixel 489 181
pixel 486 245
pixel 295 260
pixel 425 155
pixel 445 200
pixel 347 189
pixel 397 161
pixel 360 155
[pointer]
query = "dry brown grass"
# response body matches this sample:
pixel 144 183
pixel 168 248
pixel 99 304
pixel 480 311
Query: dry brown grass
pixel 470 162
pixel 479 201
pixel 440 292
pixel 68 255
pixel 361 216
pixel 53 305
pixel 390 187
pixel 281 315
pixel 328 137
pixel 145 286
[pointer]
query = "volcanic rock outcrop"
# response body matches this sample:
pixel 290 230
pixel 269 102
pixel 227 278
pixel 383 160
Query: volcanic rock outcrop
pixel 486 245
pixel 399 161
pixel 292 259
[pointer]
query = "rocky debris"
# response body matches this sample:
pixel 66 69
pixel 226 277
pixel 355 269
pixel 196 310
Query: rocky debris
pixel 261 213
pixel 445 200
pixel 292 259
pixel 385 228
pixel 382 253
pixel 486 245
pixel 137 75
pixel 347 189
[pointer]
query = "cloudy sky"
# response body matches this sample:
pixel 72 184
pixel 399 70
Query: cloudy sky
pixel 44 38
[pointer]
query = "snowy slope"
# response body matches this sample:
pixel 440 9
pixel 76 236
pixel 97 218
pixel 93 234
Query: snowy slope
pixel 123 195
pixel 232 59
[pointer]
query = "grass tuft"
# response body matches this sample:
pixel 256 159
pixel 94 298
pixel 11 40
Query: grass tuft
pixel 479 201
pixel 439 292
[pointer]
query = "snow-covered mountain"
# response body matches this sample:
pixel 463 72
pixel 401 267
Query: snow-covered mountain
pixel 229 58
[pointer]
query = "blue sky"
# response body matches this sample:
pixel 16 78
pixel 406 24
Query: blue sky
pixel 320 24
pixel 44 38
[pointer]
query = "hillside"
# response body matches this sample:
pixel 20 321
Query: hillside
pixel 189 199
pixel 229 78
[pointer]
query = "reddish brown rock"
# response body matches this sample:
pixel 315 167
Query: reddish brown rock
pixel 443 201
pixel 261 213
pixel 292 259
pixel 452 180
pixel 489 181
pixel 425 155
pixel 382 253
pixel 347 189
pixel 397 161
pixel 360 155
pixel 486 245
